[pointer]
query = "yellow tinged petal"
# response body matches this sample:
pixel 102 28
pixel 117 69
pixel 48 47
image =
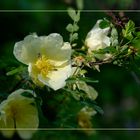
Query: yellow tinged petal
pixel 55 49
pixel 9 125
pixel 19 112
pixel 56 79
pixel 27 51
pixel 45 56
pixel 28 120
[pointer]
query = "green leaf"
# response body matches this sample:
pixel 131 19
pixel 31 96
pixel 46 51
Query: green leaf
pixel 72 13
pixel 114 37
pixel 77 18
pixel 136 45
pixel 15 71
pixel 83 72
pixel 98 109
pixel 130 25
pixel 27 94
pixel 88 101
pixel 85 79
pixel 70 28
pixel 92 104
pixel 90 91
pixel 74 93
pixel 129 30
pixel 123 48
pixel 75 27
pixel 104 24
pixel 138 34
pixel 110 49
pixel 80 4
pixel 73 37
pixel 88 80
pixel 74 44
pixel 127 34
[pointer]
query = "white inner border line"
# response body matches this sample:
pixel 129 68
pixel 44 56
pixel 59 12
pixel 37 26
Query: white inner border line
pixel 43 11
pixel 73 129
pixel 68 129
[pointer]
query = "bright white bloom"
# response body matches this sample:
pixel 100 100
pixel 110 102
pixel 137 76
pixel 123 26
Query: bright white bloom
pixel 97 39
pixel 18 112
pixel 47 57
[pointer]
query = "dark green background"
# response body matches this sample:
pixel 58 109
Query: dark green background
pixel 119 89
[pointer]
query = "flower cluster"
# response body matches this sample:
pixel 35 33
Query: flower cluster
pixel 57 65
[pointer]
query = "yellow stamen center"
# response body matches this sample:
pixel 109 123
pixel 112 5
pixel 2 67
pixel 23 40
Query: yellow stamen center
pixel 43 65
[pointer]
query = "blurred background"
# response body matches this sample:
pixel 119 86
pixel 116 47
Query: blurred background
pixel 119 89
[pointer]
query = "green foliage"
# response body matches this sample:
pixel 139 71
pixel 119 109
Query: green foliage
pixel 73 28
pixel 114 37
pixel 138 34
pixel 74 16
pixel 73 37
pixel 27 94
pixel 85 79
pixel 80 4
pixel 104 24
pixel 69 28
pixel 91 93
pixel 110 49
pixel 20 69
pixel 129 30
pixel 93 104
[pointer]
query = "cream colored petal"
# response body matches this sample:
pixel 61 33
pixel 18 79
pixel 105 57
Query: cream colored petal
pixel 34 75
pixel 97 32
pixel 96 41
pixel 25 114
pixel 107 41
pixel 26 134
pixel 93 44
pixel 55 49
pixel 56 79
pixel 27 51
pixel 9 125
pixel 21 105
pixel 97 27
pixel 32 71
pixel 27 117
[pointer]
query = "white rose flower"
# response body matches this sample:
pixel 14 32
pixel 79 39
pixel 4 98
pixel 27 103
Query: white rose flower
pixel 97 39
pixel 17 113
pixel 47 57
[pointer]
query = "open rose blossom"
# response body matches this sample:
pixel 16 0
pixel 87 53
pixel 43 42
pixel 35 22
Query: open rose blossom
pixel 19 113
pixel 97 39
pixel 48 59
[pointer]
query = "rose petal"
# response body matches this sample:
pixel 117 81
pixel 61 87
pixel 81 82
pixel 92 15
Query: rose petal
pixel 27 51
pixel 56 79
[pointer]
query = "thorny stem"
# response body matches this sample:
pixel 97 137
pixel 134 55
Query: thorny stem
pixel 108 60
pixel 100 62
